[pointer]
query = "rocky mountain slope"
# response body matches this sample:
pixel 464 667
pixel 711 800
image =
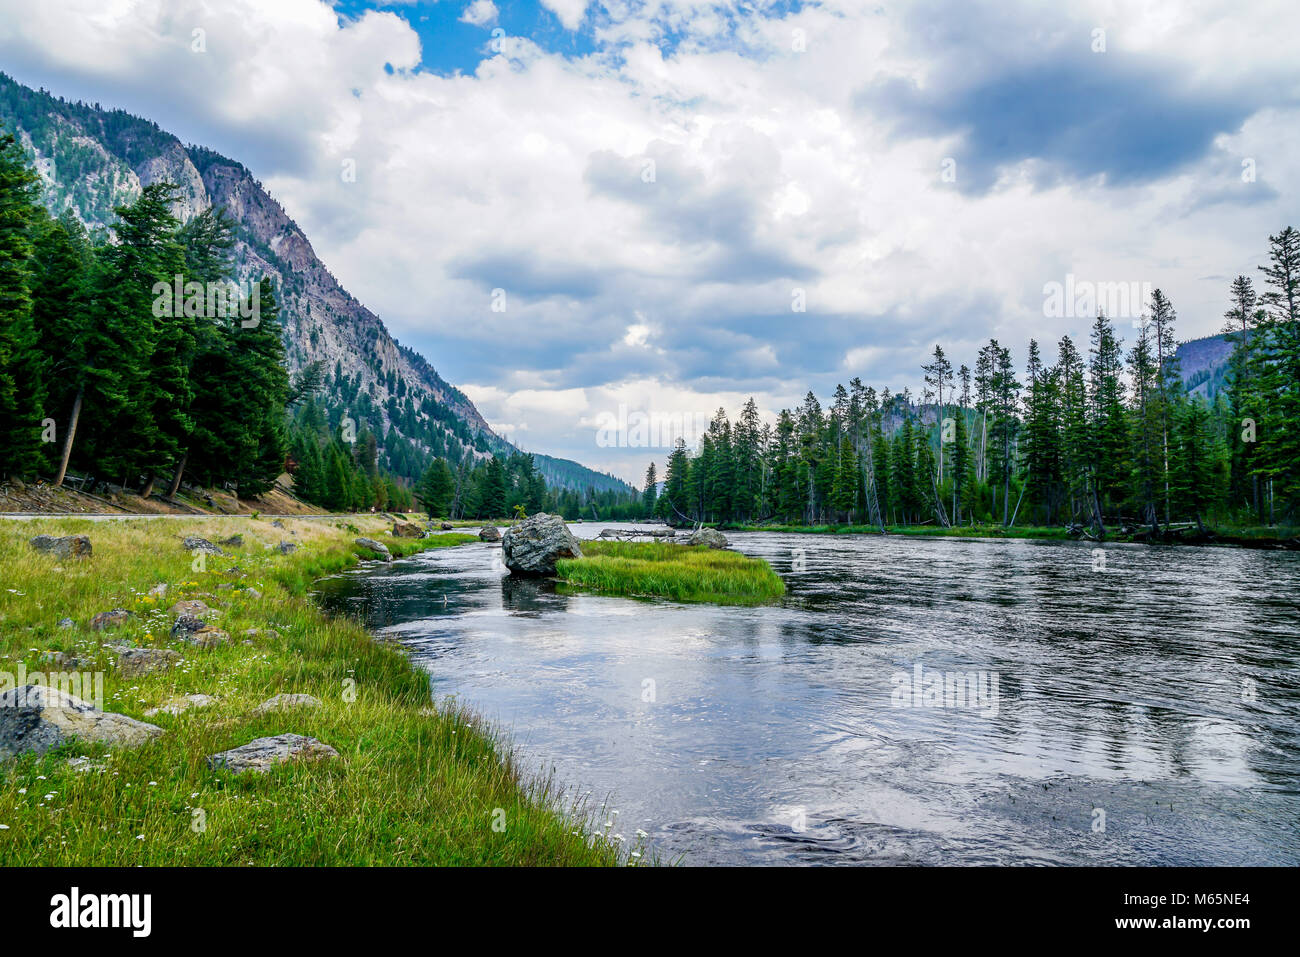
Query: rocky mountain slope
pixel 1203 364
pixel 92 160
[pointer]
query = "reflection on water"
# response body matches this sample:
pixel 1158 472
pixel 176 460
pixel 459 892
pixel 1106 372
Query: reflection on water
pixel 1145 714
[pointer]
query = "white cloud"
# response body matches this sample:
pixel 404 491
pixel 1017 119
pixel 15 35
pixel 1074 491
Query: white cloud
pixel 480 13
pixel 569 12
pixel 674 290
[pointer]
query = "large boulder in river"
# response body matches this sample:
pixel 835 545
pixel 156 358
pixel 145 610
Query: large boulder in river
pixel 35 718
pixel 707 536
pixel 67 546
pixel 534 545
pixel 489 533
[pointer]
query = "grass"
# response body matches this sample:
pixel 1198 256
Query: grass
pixel 666 570
pixel 415 783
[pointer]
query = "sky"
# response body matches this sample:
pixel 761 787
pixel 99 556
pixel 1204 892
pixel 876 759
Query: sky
pixel 574 207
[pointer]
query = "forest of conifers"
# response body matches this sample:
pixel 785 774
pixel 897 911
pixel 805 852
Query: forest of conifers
pixel 94 379
pixel 97 379
pixel 1106 438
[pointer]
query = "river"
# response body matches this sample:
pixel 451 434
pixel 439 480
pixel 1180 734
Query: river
pixel 1140 713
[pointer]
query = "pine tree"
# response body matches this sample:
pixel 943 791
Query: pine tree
pixel 1042 453
pixel 21 394
pixel 1146 427
pixel 1168 385
pixel 1243 318
pixel 68 342
pixel 650 496
pixel 1278 375
pixel 436 487
pixel 1107 421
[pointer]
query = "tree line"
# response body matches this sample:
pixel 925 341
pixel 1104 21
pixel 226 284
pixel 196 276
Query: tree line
pixel 1099 439
pixel 496 487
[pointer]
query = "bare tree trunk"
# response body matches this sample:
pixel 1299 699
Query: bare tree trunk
pixel 67 439
pixel 938 502
pixel 147 489
pixel 176 477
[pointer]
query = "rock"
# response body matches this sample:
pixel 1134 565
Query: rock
pixel 277 524
pixel 193 543
pixel 235 570
pixel 84 763
pixel 133 662
pixel 207 638
pixel 264 753
pixel 234 541
pixel 158 591
pixel 489 533
pixel 446 526
pixel 532 546
pixel 252 593
pixel 67 623
pixel 198 632
pixel 192 607
pixel 35 719
pixel 407 530
pixel 69 546
pixel 288 548
pixel 61 659
pixel 379 548
pixel 109 619
pixel 707 536
pixel 283 702
pixel 182 704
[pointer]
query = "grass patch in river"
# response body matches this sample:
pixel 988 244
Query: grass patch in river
pixel 666 570
pixel 414 783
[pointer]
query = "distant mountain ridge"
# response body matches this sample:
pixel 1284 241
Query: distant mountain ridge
pixel 91 160
pixel 1203 364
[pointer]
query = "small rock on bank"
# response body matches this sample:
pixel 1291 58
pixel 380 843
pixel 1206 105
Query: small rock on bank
pixel 489 533
pixel 379 548
pixel 67 546
pixel 109 619
pixel 264 753
pixel 193 543
pixel 145 661
pixel 283 702
pixel 35 719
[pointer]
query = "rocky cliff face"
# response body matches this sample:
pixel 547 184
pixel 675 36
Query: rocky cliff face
pixel 92 160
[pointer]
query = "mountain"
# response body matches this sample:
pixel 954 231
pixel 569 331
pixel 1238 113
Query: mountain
pixel 1203 364
pixel 91 160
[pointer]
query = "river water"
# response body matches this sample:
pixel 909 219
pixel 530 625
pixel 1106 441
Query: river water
pixel 1140 713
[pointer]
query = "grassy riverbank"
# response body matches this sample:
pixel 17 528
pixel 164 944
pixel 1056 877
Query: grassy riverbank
pixel 666 570
pixel 413 784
